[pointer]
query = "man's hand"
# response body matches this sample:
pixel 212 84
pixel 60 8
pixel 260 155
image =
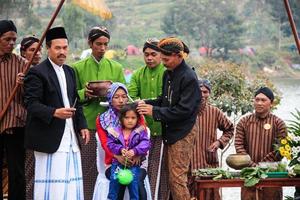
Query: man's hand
pixel 144 109
pixel 85 134
pixel 20 78
pixel 214 146
pixel 64 113
pixel 88 92
pixel 136 160
pixel 123 160
pixel 140 101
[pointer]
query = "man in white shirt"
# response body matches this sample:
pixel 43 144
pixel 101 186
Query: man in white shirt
pixel 54 122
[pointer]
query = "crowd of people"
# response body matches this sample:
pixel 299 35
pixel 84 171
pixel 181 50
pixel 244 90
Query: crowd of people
pixel 160 126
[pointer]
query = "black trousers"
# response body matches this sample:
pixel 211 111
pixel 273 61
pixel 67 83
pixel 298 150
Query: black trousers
pixel 297 193
pixel 12 146
pixel 142 189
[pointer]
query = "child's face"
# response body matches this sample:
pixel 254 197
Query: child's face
pixel 130 119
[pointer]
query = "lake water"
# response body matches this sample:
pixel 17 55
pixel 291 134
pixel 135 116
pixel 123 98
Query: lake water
pixel 290 89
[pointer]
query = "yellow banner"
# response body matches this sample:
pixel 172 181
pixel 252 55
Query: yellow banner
pixel 97 7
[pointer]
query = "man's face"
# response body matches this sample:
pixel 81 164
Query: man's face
pixel 205 93
pixel 29 51
pixel 151 58
pixel 170 61
pixel 7 42
pixel 58 51
pixel 262 104
pixel 99 47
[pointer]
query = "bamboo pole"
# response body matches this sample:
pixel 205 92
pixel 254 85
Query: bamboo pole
pixel 292 23
pixel 28 64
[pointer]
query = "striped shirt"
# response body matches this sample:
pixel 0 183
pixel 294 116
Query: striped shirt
pixel 210 118
pixel 10 66
pixel 257 136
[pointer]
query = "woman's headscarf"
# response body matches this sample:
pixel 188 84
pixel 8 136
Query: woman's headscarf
pixel 110 118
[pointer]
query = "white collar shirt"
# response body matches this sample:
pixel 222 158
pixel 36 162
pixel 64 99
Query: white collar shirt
pixel 68 140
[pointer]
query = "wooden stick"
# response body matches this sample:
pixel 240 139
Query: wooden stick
pixel 292 23
pixel 28 64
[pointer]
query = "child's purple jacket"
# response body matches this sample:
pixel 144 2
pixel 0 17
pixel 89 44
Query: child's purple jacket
pixel 139 141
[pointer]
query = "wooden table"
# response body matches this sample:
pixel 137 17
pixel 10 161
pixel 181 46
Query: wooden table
pixel 236 182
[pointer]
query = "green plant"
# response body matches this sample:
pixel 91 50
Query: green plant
pixel 267 57
pixel 288 198
pixel 290 146
pixel 232 91
pixel 216 173
pixel 252 175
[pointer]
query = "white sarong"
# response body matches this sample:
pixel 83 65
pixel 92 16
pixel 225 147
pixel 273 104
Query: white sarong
pixel 58 176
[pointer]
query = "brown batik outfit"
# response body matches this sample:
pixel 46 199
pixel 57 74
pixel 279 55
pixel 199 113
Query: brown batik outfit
pixel 256 136
pixel 210 119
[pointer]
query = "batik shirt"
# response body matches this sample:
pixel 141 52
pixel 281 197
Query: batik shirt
pixel 10 66
pixel 257 136
pixel 210 118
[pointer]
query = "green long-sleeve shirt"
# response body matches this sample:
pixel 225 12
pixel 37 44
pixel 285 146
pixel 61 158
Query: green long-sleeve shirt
pixel 89 70
pixel 146 83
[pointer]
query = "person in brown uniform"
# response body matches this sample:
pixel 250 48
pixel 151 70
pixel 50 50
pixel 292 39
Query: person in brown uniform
pixel 256 135
pixel 210 118
pixel 13 122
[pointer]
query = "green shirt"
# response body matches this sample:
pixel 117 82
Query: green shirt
pixel 89 70
pixel 146 83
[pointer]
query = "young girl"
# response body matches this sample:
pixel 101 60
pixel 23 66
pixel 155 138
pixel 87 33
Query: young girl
pixel 129 140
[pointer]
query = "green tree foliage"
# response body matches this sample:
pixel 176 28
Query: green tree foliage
pixel 32 23
pixel 91 20
pixel 260 28
pixel 232 91
pixel 73 20
pixel 279 14
pixel 78 23
pixel 15 8
pixel 211 23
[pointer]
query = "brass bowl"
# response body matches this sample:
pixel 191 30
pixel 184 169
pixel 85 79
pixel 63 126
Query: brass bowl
pixel 99 88
pixel 238 161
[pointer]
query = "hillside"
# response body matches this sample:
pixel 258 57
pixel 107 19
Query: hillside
pixel 249 25
pixel 137 21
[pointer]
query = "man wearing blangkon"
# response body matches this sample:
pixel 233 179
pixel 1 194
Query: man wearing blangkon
pixel 177 110
pixel 13 122
pixel 146 83
pixel 256 135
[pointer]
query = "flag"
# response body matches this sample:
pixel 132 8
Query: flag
pixel 97 7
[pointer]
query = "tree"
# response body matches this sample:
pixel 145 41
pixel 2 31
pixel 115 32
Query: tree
pixel 13 8
pixel 32 24
pixel 232 90
pixel 211 23
pixel 92 20
pixel 279 14
pixel 260 28
pixel 73 20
